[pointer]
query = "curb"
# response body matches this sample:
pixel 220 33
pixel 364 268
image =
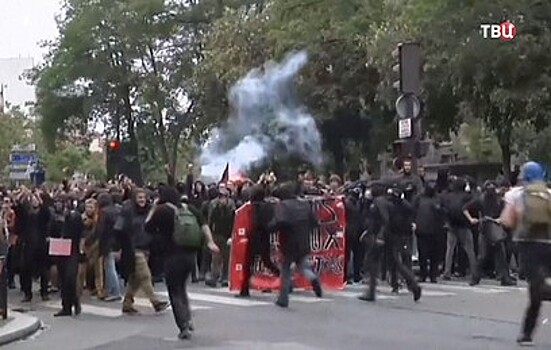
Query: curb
pixel 20 327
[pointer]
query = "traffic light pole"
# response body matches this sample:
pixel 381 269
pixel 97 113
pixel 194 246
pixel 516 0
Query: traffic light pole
pixel 408 105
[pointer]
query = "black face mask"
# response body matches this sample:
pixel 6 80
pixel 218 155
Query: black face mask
pixel 490 192
pixel 430 191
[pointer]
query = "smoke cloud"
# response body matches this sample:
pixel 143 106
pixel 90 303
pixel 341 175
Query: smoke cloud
pixel 266 121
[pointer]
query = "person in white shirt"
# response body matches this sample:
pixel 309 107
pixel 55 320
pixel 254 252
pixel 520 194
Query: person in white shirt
pixel 528 212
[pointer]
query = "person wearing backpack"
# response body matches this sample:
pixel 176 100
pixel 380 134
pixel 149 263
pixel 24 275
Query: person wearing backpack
pixel 528 212
pixel 183 231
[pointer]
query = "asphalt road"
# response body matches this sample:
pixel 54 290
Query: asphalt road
pixel 449 316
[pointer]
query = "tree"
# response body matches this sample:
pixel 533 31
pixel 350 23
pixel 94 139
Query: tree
pixel 128 65
pixel 504 84
pixel 15 129
pixel 337 85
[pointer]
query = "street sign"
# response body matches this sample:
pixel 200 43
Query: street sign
pixel 408 106
pixel 22 158
pixel 20 176
pixel 404 128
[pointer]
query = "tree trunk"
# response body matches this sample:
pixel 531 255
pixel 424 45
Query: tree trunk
pixel 506 157
pixel 132 149
pixel 504 137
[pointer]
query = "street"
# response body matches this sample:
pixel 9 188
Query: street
pixel 449 316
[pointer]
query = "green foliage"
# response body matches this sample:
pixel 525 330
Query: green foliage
pixel 70 159
pixel 15 129
pixel 137 60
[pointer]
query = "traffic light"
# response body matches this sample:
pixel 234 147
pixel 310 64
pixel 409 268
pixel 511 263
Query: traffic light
pixel 408 68
pixel 114 145
pixel 114 158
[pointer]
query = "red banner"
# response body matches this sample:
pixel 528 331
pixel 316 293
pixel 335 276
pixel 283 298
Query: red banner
pixel 327 244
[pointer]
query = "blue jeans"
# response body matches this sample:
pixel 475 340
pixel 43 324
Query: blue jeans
pixel 111 276
pixel 303 266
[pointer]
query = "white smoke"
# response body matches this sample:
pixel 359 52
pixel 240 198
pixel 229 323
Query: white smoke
pixel 266 120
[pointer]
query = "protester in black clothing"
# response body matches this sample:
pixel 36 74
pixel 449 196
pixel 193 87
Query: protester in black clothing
pixel 354 248
pixel 179 261
pixel 410 183
pixel 199 194
pixel 32 218
pixel 459 227
pixel 259 237
pixel 489 205
pixel 68 226
pixel 398 221
pixel 442 181
pixel 373 237
pixel 135 252
pixel 294 220
pixel 429 231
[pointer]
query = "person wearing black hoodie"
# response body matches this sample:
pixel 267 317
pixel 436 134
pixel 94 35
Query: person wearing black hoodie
pixel 259 237
pixel 429 231
pixel 32 217
pixel 68 225
pixel 136 243
pixel 179 260
pixel 489 206
pixel 294 219
pixel 353 207
pixel 459 227
pixel 375 223
pixel 398 222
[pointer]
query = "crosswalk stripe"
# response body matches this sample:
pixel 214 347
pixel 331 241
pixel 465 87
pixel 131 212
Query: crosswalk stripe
pixel 480 290
pixel 90 309
pixel 209 298
pixel 355 295
pixel 143 302
pixel 308 299
pixel 441 286
pixel 111 312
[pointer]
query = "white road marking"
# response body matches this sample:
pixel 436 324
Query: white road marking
pixel 90 309
pixel 355 295
pixel 143 302
pixel 209 298
pixel 308 299
pixel 441 286
pixel 480 290
pixel 113 312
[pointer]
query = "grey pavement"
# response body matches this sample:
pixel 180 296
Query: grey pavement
pixel 449 316
pixel 18 326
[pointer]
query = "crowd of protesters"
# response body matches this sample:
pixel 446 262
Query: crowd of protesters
pixel 119 231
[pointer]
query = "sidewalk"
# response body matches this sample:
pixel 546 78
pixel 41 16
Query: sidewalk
pixel 17 326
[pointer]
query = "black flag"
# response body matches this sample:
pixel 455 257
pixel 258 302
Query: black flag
pixel 226 174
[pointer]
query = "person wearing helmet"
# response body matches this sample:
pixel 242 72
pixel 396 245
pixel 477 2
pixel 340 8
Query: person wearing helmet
pixel 528 212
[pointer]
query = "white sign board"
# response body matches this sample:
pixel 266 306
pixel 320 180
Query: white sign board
pixel 19 176
pixel 404 128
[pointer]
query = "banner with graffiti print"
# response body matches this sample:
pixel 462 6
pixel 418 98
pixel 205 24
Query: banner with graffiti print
pixel 327 245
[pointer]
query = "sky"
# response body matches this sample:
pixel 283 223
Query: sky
pixel 23 23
